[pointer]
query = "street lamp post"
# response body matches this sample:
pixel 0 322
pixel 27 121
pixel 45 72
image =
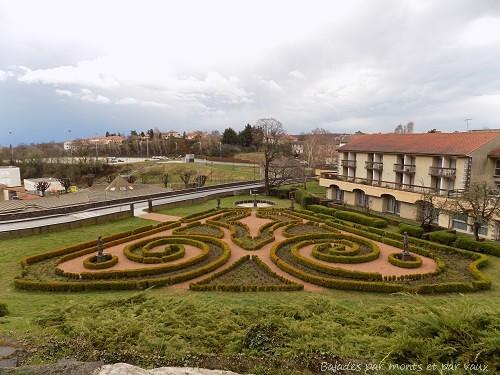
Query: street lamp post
pixel 11 148
pixel 176 153
pixel 220 150
pixel 96 152
pixel 147 146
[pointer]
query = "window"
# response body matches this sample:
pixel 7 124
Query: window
pixel 497 168
pixel 483 231
pixel 361 198
pixel 460 222
pixel 460 225
pixel 339 195
pixel 393 206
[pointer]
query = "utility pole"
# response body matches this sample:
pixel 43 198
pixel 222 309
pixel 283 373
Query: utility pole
pixel 467 122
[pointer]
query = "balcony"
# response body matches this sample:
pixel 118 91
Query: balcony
pixel 443 172
pixel 405 168
pixel 394 185
pixel 348 163
pixel 377 165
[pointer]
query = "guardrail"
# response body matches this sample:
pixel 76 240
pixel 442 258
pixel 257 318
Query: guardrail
pixel 114 202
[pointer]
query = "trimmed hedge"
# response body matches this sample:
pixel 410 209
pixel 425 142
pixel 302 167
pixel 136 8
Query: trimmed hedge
pixel 443 237
pixel 395 260
pixel 333 252
pixel 182 230
pixel 336 270
pixel 80 285
pixel 412 230
pixel 471 244
pixel 204 285
pixel 172 252
pixel 322 209
pixel 360 219
pixel 91 262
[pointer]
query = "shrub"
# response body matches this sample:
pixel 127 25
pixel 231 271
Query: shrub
pixel 412 230
pixel 3 310
pixel 109 261
pixel 395 260
pixel 468 243
pixel 321 209
pixel 443 237
pixel 360 219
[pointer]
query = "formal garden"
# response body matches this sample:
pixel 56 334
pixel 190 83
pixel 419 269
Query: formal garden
pixel 285 289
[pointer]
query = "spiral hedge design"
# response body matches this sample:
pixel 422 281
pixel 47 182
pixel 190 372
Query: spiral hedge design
pixel 318 248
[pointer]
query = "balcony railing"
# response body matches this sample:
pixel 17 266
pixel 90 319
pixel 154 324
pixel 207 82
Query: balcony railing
pixel 394 185
pixel 405 168
pixel 348 163
pixel 378 165
pixel 443 172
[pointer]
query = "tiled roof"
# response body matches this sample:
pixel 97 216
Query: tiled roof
pixel 422 143
pixel 495 153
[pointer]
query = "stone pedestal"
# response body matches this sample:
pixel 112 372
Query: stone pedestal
pixel 100 258
pixel 405 256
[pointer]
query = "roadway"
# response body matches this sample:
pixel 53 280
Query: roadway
pixel 139 207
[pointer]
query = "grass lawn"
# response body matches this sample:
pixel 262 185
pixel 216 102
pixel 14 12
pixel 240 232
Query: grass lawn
pixel 256 332
pixel 225 202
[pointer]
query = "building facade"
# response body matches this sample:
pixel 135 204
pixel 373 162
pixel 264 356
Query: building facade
pixel 391 172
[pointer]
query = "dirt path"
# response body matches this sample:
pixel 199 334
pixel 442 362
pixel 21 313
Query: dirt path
pixel 380 265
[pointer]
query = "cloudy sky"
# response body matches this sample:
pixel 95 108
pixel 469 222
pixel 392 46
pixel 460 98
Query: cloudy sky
pixel 72 69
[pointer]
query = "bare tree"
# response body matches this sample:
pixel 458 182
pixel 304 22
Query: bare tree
pixel 268 134
pixel 405 129
pixel 316 147
pixel 480 202
pixel 65 183
pixel 185 176
pixel 428 209
pixel 201 179
pixel 42 186
pixel 165 178
pixel 284 169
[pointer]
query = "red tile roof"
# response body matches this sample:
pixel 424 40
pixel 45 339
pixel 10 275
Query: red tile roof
pixel 422 143
pixel 495 153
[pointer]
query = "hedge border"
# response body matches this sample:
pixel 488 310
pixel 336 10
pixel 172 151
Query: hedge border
pixel 395 261
pixel 91 262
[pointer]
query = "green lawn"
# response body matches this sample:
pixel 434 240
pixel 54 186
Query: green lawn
pixel 245 332
pixel 225 202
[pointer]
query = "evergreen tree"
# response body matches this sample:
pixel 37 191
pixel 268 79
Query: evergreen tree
pixel 245 136
pixel 229 137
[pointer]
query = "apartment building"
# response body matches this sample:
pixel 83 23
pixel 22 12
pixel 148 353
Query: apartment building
pixel 389 172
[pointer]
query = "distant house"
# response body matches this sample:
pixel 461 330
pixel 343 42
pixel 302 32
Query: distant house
pixel 10 182
pixel 171 134
pixel 31 184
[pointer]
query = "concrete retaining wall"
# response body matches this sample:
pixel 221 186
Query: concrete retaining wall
pixel 64 226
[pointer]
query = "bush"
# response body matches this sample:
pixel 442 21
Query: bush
pixel 3 310
pixel 468 243
pixel 395 260
pixel 412 230
pixel 322 209
pixel 360 219
pixel 445 238
pixel 109 261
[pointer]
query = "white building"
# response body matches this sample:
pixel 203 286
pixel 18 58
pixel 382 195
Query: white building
pixel 10 181
pixel 55 185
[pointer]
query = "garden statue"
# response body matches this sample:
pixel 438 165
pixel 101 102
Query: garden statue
pixel 100 255
pixel 218 203
pixel 406 254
